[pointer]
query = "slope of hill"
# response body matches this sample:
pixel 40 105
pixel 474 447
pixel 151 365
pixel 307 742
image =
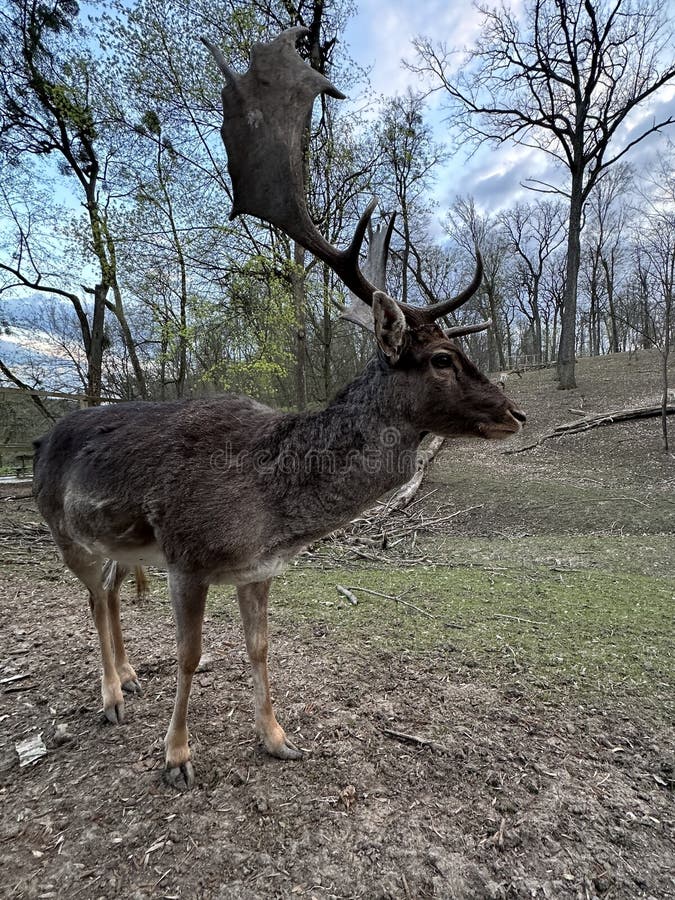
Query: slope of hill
pixel 492 720
pixel 608 479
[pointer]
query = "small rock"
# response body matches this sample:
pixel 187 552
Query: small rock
pixel 30 750
pixel 348 795
pixel 602 884
pixel 205 664
pixel 61 734
pixel 238 777
pixel 261 804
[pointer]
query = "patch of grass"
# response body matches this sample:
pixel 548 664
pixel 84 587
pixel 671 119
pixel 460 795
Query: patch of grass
pixel 579 632
pixel 541 504
pixel 649 554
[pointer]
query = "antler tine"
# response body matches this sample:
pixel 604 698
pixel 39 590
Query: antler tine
pixel 345 263
pixel 354 249
pixel 265 113
pixel 220 60
pixel 374 268
pixel 436 310
pixel 461 330
pixel 390 231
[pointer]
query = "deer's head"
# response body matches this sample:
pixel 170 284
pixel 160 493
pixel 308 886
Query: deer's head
pixel 448 394
pixel 265 114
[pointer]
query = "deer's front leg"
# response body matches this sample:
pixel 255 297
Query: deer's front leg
pixel 188 598
pixel 253 608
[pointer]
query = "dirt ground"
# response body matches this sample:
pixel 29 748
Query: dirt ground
pixel 422 778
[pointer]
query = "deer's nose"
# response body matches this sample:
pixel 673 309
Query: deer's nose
pixel 519 416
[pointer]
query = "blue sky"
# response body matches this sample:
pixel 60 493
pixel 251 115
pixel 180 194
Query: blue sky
pixel 379 36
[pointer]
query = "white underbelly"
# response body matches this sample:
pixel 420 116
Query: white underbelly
pixel 259 570
pixel 151 555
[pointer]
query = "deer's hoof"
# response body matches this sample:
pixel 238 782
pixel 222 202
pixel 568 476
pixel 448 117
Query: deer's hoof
pixel 132 686
pixel 115 713
pixel 181 777
pixel 286 750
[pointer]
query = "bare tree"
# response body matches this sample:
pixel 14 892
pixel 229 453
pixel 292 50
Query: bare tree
pixel 656 240
pixel 606 248
pixel 535 232
pixel 408 158
pixel 563 78
pixel 47 107
pixel 471 229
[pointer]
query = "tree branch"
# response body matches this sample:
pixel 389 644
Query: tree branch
pixel 10 376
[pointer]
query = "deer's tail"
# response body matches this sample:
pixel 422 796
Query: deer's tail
pixel 142 583
pixel 114 574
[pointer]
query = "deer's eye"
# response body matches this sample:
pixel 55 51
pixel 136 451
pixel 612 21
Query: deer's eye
pixel 442 361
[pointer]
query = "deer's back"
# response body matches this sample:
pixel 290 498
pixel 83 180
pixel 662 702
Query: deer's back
pixel 158 482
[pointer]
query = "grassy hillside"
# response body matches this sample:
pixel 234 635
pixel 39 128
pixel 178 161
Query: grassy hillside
pixel 561 571
pixel 494 720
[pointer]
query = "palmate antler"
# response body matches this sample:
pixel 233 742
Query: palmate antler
pixel 265 114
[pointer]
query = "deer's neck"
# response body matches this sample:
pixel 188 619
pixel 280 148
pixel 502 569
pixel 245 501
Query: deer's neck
pixel 334 463
pixel 374 410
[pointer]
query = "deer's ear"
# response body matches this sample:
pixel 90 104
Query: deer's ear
pixel 390 325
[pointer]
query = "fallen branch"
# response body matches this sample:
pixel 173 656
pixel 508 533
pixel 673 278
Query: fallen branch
pixel 504 376
pixel 347 593
pixel 395 599
pixel 596 421
pixel 498 836
pixel 406 493
pixel 519 619
pixel 414 739
pixel 11 678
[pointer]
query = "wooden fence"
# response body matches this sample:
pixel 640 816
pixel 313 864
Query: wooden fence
pixel 16 456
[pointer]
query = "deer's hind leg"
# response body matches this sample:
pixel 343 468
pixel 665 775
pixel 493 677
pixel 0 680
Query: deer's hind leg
pixel 253 607
pixel 188 599
pixel 114 574
pixel 89 569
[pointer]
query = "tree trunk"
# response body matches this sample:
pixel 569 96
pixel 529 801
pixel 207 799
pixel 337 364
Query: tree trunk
pixel 646 319
pixel 405 256
pixel 594 318
pixel 180 257
pixel 117 308
pixel 582 336
pixel 164 347
pixel 566 353
pixel 327 333
pixel 667 335
pixel 497 354
pixel 536 329
pixel 613 327
pixel 95 354
pixel 298 281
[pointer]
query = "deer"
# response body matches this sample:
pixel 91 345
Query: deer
pixel 225 490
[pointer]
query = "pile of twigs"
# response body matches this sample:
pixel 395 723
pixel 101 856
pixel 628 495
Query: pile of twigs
pixel 389 535
pixel 24 543
pixel 25 535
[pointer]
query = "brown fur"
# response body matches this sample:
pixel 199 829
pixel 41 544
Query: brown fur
pixel 228 490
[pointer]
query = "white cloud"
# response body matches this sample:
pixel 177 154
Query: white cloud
pixel 381 35
pixel 34 341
